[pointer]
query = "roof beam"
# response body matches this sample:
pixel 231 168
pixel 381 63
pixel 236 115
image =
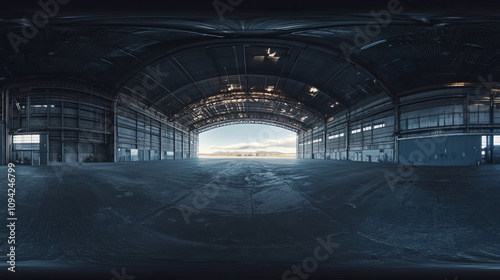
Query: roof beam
pixel 191 78
pixel 237 66
pixel 209 54
pixel 234 117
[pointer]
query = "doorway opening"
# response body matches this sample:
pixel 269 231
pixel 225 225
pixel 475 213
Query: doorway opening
pixel 490 149
pixel 26 149
pixel 248 141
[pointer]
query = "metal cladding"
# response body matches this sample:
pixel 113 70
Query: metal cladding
pixel 335 73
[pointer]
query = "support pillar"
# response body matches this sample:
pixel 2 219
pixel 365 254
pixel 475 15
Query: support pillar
pixel 397 128
pixel 161 141
pixel 467 112
pixel 63 156
pixel 115 131
pixel 175 141
pixel 5 127
pixel 182 144
pixel 347 135
pixel 324 141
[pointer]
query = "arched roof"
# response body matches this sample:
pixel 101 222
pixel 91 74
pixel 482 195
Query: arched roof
pixel 293 70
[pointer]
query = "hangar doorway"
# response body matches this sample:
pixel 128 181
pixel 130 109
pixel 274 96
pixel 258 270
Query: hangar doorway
pixel 248 140
pixel 490 149
pixel 29 149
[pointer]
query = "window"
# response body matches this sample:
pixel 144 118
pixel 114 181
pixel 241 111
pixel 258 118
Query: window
pixel 413 123
pixel 484 141
pixel 356 131
pixel 336 135
pixel 379 125
pixel 27 139
pixel 28 142
pixel 367 128
pixel 39 106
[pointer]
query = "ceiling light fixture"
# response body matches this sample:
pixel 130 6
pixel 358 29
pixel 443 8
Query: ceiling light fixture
pixel 269 56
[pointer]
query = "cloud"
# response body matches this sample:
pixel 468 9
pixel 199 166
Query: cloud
pixel 267 145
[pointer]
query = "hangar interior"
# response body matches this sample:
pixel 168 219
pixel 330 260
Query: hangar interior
pixel 135 93
pixel 148 91
pixel 106 105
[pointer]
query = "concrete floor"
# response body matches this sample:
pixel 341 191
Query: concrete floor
pixel 254 218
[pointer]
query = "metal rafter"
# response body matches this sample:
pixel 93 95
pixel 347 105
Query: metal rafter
pixel 191 78
pixel 235 96
pixel 248 121
pixel 230 117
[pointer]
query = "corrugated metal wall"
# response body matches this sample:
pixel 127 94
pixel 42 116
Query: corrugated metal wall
pixel 373 129
pixel 442 150
pixel 143 136
pixel 82 124
pixel 79 124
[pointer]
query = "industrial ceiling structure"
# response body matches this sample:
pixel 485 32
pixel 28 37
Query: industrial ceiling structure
pixel 146 82
pixel 108 98
pixel 287 70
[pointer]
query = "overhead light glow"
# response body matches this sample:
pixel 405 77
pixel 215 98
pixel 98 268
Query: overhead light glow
pixel 231 87
pixel 459 84
pixel 269 56
pixel 269 53
pixel 456 84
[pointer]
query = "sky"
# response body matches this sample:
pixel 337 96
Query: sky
pixel 247 138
